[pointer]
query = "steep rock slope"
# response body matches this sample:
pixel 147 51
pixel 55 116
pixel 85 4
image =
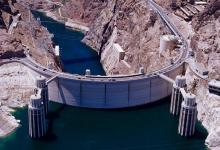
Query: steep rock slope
pixel 206 41
pixel 136 28
pixel 84 11
pixel 27 35
pixel 206 44
pixel 17 81
pixel 131 24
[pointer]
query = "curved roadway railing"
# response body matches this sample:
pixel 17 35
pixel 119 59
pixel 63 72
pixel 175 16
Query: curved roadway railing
pixel 29 62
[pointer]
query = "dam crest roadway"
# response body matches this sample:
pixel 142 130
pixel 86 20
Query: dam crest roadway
pixel 111 91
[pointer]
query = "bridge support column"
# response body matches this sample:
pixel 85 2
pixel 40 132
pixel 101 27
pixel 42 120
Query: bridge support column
pixel 188 113
pixel 36 117
pixel 41 83
pixel 177 97
pixel 88 72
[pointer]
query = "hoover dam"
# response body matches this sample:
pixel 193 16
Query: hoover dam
pixel 112 91
pixel 82 83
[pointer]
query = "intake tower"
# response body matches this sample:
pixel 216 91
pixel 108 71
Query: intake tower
pixel 36 116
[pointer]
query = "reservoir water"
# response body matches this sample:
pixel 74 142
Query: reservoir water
pixel 76 57
pixel 149 127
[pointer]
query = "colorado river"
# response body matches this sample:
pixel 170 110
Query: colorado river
pixel 148 127
pixel 76 57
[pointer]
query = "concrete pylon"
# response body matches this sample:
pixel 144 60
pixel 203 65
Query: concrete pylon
pixel 41 83
pixel 36 117
pixel 88 72
pixel 177 97
pixel 188 113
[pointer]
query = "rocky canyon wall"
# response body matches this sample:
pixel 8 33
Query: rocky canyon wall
pixel 206 45
pixel 136 28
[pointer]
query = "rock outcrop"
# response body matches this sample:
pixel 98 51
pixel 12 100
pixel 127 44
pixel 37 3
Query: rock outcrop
pixel 85 11
pixel 131 24
pixel 206 45
pixel 9 46
pixel 25 35
pixel 208 106
pixel 136 28
pixel 206 40
pixel 17 84
pixel 28 35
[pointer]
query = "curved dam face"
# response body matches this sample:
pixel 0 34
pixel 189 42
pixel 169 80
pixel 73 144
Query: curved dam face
pixel 112 94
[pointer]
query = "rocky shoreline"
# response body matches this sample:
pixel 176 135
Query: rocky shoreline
pixel 17 85
pixel 208 106
pixel 17 81
pixel 69 23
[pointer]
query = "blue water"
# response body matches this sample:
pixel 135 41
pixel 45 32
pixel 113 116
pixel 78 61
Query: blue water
pixel 149 127
pixel 75 55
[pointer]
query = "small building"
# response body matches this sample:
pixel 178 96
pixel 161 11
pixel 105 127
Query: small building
pixel 119 52
pixel 57 50
pixel 214 87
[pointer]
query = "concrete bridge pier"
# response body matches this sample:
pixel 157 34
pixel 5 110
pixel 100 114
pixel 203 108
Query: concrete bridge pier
pixel 177 97
pixel 36 116
pixel 41 84
pixel 88 72
pixel 188 113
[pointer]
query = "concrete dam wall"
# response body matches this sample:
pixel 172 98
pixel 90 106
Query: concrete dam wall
pixel 119 93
